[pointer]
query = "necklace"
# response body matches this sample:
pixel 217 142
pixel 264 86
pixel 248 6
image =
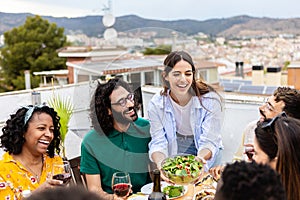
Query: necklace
pixel 36 175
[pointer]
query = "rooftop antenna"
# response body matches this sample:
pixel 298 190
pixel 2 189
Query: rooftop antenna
pixel 108 21
pixel 107 8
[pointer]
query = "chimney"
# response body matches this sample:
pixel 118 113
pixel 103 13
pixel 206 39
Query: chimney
pixel 237 71
pixel 294 72
pixel 257 75
pixel 273 76
pixel 242 69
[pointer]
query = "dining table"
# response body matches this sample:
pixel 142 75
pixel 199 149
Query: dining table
pixel 191 189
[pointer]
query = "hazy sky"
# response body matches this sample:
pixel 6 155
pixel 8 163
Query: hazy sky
pixel 157 9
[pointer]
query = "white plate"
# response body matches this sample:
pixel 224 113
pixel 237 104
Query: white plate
pixel 139 197
pixel 147 189
pixel 208 190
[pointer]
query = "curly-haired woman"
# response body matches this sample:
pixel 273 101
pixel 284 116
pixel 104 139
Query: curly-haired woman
pixel 31 138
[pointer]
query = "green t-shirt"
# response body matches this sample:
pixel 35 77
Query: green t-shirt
pixel 127 152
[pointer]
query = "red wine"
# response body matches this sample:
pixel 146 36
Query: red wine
pixel 249 153
pixel 121 189
pixel 63 177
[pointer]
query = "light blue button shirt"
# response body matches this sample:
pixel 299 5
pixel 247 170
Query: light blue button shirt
pixel 206 122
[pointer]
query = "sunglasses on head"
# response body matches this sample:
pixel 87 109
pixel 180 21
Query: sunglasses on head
pixel 30 110
pixel 270 124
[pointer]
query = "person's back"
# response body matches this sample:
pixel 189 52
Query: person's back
pixel 65 193
pixel 249 181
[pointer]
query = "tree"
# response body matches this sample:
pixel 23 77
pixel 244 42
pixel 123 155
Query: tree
pixel 31 46
pixel 160 50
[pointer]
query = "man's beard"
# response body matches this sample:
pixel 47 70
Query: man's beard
pixel 263 114
pixel 120 116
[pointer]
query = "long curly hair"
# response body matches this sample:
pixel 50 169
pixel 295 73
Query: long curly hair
pixel 100 105
pixel 291 99
pixel 198 87
pixel 12 139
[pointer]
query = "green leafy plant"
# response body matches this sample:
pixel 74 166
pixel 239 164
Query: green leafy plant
pixel 64 109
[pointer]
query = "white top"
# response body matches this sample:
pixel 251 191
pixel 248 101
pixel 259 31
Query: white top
pixel 182 116
pixel 206 122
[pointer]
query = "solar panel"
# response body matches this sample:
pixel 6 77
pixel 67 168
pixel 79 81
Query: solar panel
pixel 270 89
pixel 225 81
pixel 244 82
pixel 252 89
pixel 230 87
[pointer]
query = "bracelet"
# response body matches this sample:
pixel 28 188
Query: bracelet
pixel 26 193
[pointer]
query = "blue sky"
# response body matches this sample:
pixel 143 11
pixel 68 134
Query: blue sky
pixel 157 9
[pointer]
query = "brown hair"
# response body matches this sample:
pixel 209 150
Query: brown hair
pixel 288 163
pixel 198 88
pixel 291 99
pixel 266 139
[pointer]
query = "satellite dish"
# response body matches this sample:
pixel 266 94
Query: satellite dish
pixel 108 20
pixel 110 33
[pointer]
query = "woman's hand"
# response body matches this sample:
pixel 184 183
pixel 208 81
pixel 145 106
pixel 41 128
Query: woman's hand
pixel 216 171
pixel 164 178
pixel 49 183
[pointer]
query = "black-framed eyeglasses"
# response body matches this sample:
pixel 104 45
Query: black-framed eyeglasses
pixel 269 106
pixel 270 124
pixel 122 102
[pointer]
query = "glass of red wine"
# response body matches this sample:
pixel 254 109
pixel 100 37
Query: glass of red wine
pixel 249 151
pixel 248 146
pixel 121 184
pixel 62 171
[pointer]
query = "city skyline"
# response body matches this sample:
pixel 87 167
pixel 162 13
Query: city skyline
pixel 155 9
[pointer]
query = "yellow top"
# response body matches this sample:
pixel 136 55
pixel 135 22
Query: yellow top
pixel 15 178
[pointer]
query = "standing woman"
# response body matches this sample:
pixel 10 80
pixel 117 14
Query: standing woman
pixel 186 117
pixel 31 137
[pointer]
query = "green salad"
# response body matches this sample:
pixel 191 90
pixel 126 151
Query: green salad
pixel 182 168
pixel 173 190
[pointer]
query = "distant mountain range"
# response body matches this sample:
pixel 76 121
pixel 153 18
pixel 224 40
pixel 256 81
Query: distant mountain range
pixel 239 26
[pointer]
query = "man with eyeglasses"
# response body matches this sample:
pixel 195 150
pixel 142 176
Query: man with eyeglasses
pixel 283 99
pixel 118 142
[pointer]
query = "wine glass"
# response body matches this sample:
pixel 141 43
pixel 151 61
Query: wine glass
pixel 248 146
pixel 62 171
pixel 121 184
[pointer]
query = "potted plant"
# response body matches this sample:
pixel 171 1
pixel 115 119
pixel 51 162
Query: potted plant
pixel 64 109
